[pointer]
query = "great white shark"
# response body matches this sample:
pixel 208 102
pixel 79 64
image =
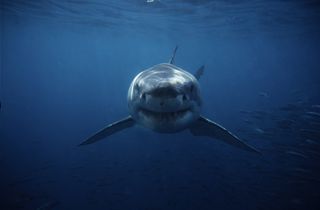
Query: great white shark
pixel 166 99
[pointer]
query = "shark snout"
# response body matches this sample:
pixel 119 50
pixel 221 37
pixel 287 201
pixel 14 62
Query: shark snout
pixel 165 90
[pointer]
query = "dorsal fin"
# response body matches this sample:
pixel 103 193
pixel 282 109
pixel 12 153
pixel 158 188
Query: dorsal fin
pixel 199 72
pixel 171 61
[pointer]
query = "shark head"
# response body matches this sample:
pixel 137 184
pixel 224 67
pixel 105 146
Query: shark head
pixel 164 98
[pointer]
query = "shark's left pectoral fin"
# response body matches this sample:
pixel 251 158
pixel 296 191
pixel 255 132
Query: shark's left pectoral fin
pixel 206 127
pixel 109 130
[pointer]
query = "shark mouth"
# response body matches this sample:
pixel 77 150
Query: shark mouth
pixel 164 116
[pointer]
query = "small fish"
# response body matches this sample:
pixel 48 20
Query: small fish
pixel 296 154
pixel 301 170
pixel 259 130
pixel 309 141
pixel 316 106
pixel 264 94
pixel 248 121
pixel 313 114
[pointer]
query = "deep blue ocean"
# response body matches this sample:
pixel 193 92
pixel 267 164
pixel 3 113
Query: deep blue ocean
pixel 66 66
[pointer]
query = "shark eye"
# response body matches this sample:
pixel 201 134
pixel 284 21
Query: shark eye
pixel 184 97
pixel 143 96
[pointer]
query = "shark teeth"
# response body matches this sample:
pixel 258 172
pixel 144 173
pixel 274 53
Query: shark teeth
pixel 166 116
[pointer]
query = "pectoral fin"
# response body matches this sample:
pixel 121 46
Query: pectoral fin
pixel 109 130
pixel 206 127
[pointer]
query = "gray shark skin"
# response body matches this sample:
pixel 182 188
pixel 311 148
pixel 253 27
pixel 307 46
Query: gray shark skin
pixel 166 99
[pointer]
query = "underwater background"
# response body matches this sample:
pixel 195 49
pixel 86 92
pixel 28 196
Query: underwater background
pixel 66 67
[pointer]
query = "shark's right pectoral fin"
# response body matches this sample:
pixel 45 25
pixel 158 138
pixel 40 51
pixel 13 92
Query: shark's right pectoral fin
pixel 109 130
pixel 205 127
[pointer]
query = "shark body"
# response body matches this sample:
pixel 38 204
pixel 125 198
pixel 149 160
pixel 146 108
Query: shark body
pixel 167 99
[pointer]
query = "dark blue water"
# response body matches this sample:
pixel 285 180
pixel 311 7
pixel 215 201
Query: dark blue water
pixel 65 70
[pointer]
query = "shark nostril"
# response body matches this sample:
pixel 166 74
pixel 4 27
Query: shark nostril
pixel 161 103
